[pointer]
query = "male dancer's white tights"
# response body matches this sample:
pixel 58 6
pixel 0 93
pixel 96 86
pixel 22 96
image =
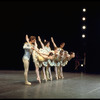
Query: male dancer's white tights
pixel 26 69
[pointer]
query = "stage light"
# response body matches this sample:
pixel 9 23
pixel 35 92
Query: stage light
pixel 81 65
pixel 83 35
pixel 83 27
pixel 84 9
pixel 83 18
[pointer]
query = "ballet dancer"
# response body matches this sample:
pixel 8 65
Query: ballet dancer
pixel 46 48
pixel 28 48
pixel 48 63
pixel 57 57
pixel 64 61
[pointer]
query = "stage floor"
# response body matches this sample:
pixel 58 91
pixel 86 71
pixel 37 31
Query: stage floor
pixel 74 85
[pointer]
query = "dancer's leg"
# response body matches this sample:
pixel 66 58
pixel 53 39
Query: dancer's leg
pixel 47 73
pixel 56 72
pixel 26 69
pixel 61 69
pixel 43 68
pixel 50 73
pixel 37 73
pixel 42 76
pixel 59 72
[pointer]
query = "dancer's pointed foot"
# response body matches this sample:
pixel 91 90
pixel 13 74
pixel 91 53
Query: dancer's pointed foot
pixel 62 77
pixel 39 79
pixel 28 83
pixel 51 78
pixel 45 78
pixel 57 77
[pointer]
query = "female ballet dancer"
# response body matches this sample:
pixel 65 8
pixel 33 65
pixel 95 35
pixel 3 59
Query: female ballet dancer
pixel 46 48
pixel 64 61
pixel 48 63
pixel 28 48
pixel 57 58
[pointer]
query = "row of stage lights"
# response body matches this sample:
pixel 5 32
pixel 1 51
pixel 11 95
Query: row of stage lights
pixel 83 27
pixel 84 19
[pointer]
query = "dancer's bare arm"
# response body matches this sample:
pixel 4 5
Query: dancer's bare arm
pixel 27 39
pixel 27 46
pixel 41 42
pixel 53 42
pixel 44 56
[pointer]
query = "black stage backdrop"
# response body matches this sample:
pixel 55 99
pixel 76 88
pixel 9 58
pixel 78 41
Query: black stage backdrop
pixel 60 19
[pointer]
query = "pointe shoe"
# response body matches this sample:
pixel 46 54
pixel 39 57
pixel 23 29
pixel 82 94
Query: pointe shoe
pixel 57 77
pixel 27 83
pixel 51 78
pixel 46 79
pixel 43 79
pixel 62 77
pixel 39 80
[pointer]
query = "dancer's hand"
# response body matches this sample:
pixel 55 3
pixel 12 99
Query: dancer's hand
pixel 45 40
pixel 27 39
pixel 51 38
pixel 39 38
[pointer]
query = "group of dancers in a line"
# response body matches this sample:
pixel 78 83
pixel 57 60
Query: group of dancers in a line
pixel 45 58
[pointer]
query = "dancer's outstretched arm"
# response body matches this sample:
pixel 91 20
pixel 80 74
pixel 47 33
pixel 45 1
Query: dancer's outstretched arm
pixel 27 39
pixel 41 42
pixel 44 56
pixel 27 46
pixel 53 42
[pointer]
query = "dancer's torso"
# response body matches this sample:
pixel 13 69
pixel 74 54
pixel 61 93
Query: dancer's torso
pixel 28 51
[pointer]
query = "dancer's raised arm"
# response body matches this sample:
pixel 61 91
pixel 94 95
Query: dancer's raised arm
pixel 27 39
pixel 53 42
pixel 27 45
pixel 41 42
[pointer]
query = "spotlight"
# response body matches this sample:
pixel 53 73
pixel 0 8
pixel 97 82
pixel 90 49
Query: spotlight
pixel 83 35
pixel 84 10
pixel 83 27
pixel 83 18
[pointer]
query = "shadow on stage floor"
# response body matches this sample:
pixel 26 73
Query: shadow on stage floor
pixel 74 85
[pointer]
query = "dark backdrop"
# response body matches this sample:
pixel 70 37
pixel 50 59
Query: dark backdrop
pixel 60 19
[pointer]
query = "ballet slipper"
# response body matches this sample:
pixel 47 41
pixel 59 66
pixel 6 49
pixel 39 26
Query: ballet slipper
pixel 28 83
pixel 39 80
pixel 51 78
pixel 57 77
pixel 62 77
pixel 45 78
